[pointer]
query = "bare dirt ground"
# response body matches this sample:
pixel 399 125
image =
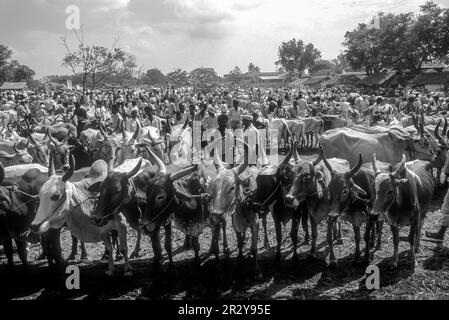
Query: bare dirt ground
pixel 308 279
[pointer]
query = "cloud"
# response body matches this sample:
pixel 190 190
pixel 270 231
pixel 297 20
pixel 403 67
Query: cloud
pixel 187 33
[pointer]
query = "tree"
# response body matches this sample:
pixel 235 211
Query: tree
pixel 295 57
pixel 253 68
pixel 401 41
pixel 5 54
pixel 322 65
pixel 13 70
pixel 92 61
pixel 203 76
pixel 126 72
pixel 154 76
pixel 178 77
pixel 340 63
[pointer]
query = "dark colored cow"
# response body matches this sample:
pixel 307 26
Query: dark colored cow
pixel 169 198
pixel 309 188
pixel 350 199
pixel 18 204
pixel 402 197
pixel 271 182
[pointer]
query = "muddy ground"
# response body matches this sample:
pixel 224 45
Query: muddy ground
pixel 307 279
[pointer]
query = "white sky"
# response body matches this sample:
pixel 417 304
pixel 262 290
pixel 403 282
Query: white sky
pixel 168 34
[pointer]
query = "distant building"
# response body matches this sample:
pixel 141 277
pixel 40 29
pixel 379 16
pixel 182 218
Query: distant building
pixel 257 78
pixel 378 79
pixel 431 81
pixel 14 86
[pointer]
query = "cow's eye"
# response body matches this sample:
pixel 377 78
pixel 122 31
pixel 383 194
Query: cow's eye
pixel 55 197
pixel 345 192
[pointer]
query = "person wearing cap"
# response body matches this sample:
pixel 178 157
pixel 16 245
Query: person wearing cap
pixel 227 137
pixel 235 115
pixel 376 111
pixel 302 106
pixel 210 121
pixel 116 118
pixel 131 123
pixel 251 137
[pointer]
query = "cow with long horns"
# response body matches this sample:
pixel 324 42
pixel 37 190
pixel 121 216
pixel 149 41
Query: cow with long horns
pixel 72 203
pixel 402 197
pixel 309 186
pixel 172 198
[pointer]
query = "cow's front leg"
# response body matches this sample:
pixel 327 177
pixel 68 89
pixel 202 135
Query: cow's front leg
pixel 278 229
pixel 7 248
pixel 379 226
pixel 156 244
pixel 395 232
pixel 74 250
pixel 22 251
pixel 367 238
pixel 226 250
pixel 357 243
pixel 305 226
pixel 214 247
pixel 123 245
pixel 314 237
pixel 330 242
pixel 108 246
pixel 136 252
pixel 196 250
pixel 83 251
pixel 266 242
pixel 412 237
pixel 240 243
pixel 418 235
pixel 294 237
pixel 168 244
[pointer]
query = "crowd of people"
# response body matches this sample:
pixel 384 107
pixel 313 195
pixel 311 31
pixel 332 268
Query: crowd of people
pixel 223 106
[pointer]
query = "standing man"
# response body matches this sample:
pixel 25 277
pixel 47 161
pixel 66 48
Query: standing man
pixel 235 115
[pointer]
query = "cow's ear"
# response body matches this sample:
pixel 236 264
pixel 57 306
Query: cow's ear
pixel 358 190
pixel 400 181
pixel 95 187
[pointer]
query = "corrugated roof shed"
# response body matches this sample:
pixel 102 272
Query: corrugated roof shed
pixel 377 78
pixel 430 78
pixel 316 80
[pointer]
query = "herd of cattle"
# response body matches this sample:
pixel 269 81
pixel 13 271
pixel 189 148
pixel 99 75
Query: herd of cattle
pixel 97 182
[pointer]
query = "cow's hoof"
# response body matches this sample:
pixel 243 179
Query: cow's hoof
pixel 305 242
pixel 71 257
pixel 266 245
pixel 134 255
pixel 84 256
pixel 395 264
pixel 128 273
pixel 227 251
pixel 338 241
